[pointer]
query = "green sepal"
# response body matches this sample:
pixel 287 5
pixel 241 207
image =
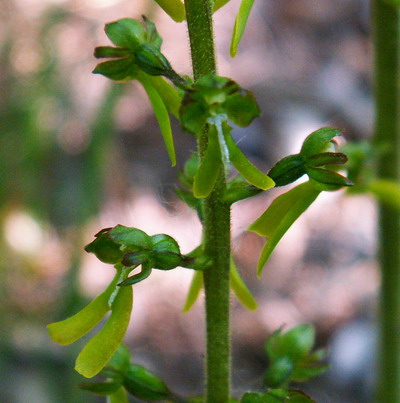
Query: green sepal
pixel 126 33
pixel 194 291
pixel 280 215
pixel 120 396
pixel 71 329
pixel 160 110
pixel 240 25
pixel 174 8
pixel 287 170
pixel 252 174
pixel 327 159
pixel 239 189
pixel 240 289
pixel 241 106
pixel 110 52
pixel 131 239
pixel 319 141
pixel 210 167
pixel 98 351
pixel 118 70
pixel 327 180
pixel 142 384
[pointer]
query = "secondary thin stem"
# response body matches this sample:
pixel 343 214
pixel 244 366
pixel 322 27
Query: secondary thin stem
pixel 216 231
pixel 386 24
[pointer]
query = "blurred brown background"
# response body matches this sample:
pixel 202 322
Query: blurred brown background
pixel 79 153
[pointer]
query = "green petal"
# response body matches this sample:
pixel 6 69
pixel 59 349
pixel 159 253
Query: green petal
pixel 194 290
pixel 240 24
pixel 280 215
pixel 318 141
pixel 109 51
pixel 174 8
pixel 209 169
pixel 126 33
pixel 71 329
pixel 162 116
pixel 240 289
pixel 103 345
pixel 252 174
pixel 118 70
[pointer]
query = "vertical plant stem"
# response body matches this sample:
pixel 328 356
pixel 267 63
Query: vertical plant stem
pixel 216 231
pixel 386 25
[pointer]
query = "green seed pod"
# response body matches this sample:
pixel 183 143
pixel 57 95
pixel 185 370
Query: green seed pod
pixel 152 61
pixel 142 384
pixel 287 170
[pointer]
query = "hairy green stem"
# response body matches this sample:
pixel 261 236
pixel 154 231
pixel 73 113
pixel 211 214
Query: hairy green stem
pixel 386 26
pixel 216 232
